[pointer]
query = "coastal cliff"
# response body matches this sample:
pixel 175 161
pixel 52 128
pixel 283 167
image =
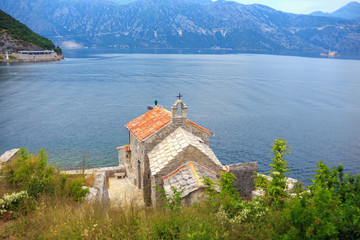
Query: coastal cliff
pixel 16 37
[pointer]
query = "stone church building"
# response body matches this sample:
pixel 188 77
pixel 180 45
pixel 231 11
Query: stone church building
pixel 168 150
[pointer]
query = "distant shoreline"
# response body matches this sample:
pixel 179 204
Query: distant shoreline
pixel 15 57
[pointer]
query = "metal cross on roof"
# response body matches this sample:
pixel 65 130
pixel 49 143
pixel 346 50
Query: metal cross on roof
pixel 179 96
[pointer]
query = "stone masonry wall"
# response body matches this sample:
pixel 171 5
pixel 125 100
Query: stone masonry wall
pixel 122 156
pixel 245 182
pixel 137 153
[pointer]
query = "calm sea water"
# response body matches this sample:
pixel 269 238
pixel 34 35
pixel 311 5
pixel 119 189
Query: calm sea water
pixel 80 105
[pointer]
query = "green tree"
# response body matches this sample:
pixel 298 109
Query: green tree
pixel 275 190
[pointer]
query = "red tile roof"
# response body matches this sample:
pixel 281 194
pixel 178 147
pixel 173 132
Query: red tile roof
pixel 148 123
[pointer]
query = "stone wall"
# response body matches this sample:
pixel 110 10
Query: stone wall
pixel 194 196
pixel 121 155
pixel 132 163
pixel 100 184
pixel 109 171
pixel 245 180
pixel 33 58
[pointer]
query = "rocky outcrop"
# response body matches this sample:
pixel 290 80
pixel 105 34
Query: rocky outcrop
pixel 8 156
pixel 290 186
pixel 10 45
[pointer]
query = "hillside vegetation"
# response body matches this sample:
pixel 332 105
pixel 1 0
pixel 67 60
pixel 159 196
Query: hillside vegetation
pixel 46 209
pixel 17 30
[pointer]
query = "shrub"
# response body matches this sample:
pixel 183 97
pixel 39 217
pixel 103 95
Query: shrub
pixel 13 204
pixel 74 189
pixel 330 210
pixel 230 208
pixel 58 50
pixel 171 201
pixel 31 173
pixel 275 192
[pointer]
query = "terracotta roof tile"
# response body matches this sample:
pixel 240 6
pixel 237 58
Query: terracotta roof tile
pixel 148 123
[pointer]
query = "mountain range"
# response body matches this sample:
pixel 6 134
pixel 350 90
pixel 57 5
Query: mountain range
pixel 184 24
pixel 349 11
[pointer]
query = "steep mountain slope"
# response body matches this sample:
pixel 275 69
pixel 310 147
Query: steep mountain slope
pixel 15 36
pixel 183 24
pixel 349 11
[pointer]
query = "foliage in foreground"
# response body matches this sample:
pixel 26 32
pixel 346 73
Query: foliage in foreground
pixel 15 204
pixel 328 210
pixel 32 174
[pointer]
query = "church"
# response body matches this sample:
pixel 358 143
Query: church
pixel 168 150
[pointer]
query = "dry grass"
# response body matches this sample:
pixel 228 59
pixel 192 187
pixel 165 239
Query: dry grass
pixel 62 218
pixel 90 180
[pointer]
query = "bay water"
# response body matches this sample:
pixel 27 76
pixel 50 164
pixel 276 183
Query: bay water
pixel 79 106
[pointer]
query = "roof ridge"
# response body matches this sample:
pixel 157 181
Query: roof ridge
pixel 185 135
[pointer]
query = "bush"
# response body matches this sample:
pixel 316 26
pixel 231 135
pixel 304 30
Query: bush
pixel 58 50
pixel 330 210
pixel 73 189
pixel 170 201
pixel 14 204
pixel 275 193
pixel 32 174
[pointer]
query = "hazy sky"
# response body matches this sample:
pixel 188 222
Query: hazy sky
pixel 301 6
